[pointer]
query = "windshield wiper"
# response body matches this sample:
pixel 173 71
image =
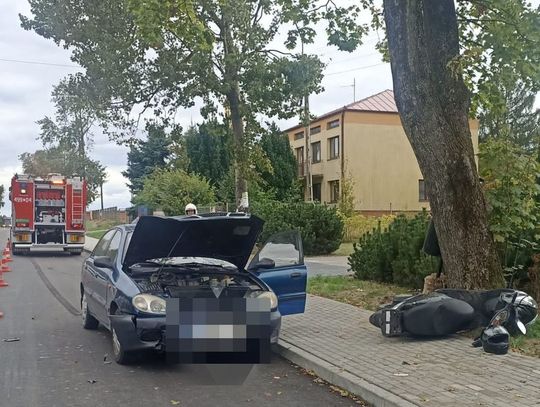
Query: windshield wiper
pixel 146 263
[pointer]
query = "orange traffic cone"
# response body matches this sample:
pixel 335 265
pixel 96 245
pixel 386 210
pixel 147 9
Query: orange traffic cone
pixel 4 268
pixel 2 281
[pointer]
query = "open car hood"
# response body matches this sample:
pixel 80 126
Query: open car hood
pixel 229 238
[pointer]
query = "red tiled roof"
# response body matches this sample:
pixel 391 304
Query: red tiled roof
pixel 380 102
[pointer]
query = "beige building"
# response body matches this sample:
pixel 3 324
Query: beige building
pixel 366 142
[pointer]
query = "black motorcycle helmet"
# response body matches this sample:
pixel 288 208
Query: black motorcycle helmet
pixel 526 306
pixel 495 339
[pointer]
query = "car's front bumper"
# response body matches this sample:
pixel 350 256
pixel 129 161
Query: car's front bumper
pixel 148 333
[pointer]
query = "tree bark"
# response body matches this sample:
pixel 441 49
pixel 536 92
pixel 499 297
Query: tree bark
pixel 433 104
pixel 240 158
pixel 232 94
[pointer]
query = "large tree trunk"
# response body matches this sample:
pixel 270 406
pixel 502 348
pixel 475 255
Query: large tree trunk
pixel 240 153
pixel 232 94
pixel 433 103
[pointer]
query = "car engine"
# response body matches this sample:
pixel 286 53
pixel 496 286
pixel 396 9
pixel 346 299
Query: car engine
pixel 197 285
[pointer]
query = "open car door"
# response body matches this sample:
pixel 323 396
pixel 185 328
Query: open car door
pixel 280 264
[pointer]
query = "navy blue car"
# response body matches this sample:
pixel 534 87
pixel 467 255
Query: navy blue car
pixel 136 270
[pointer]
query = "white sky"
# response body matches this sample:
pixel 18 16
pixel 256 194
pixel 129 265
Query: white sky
pixel 25 95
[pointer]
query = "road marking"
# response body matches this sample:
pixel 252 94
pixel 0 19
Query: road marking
pixel 67 305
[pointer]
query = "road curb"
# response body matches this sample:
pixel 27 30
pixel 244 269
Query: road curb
pixel 371 393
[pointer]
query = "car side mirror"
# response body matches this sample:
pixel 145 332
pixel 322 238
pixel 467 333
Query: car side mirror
pixel 103 262
pixel 264 263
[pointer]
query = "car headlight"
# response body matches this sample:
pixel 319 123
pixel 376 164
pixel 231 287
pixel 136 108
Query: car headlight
pixel 265 294
pixel 149 303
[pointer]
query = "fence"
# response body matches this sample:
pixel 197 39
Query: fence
pixel 111 214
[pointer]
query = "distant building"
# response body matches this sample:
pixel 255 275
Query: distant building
pixel 364 140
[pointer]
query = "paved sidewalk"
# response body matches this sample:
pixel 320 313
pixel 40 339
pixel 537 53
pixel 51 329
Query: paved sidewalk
pixel 338 343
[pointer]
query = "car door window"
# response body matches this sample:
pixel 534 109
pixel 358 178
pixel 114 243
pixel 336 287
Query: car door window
pixel 114 246
pixel 101 247
pixel 284 249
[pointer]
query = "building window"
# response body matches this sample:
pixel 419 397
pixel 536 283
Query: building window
pixel 422 194
pixel 333 124
pixel 316 152
pixel 299 135
pixel 300 161
pixel 333 148
pixel 334 191
pixel 317 192
pixel 315 130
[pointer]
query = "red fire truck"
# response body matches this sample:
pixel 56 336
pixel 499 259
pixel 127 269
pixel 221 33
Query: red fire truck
pixel 47 213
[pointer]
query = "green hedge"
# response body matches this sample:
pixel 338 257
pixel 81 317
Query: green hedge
pixel 394 255
pixel 320 226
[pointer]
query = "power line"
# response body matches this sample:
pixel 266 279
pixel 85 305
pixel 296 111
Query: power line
pixel 356 69
pixel 20 61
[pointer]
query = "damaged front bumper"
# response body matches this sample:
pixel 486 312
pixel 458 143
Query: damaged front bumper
pixel 138 333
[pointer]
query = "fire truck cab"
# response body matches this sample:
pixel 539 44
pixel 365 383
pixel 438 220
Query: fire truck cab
pixel 47 213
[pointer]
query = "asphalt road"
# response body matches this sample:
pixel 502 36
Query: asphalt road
pixel 327 266
pixel 57 363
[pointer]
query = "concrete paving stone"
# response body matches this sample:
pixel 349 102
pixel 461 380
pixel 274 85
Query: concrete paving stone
pixel 340 334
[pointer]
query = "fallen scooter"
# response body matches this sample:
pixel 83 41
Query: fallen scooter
pixel 503 313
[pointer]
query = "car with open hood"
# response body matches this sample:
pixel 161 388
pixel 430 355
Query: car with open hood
pixel 142 276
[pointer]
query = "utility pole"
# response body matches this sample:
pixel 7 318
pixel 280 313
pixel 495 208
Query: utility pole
pixel 101 194
pixel 307 135
pixel 354 89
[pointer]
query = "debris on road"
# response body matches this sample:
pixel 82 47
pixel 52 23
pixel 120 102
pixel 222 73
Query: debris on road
pixel 12 339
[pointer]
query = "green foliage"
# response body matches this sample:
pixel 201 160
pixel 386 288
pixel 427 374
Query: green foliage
pixel 394 255
pixel 346 201
pixel 1 196
pixel 162 55
pixel 511 190
pixel 500 40
pixel 320 226
pixel 518 121
pixel 280 177
pixel 171 190
pixel 512 193
pixel 65 162
pixel 145 156
pixel 208 151
pixel 358 225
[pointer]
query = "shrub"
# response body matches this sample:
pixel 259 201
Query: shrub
pixel 357 226
pixel 171 190
pixel 394 254
pixel 320 226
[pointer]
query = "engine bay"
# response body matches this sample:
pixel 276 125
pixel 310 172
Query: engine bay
pixel 196 284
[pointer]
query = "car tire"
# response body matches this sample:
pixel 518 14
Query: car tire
pixel 89 322
pixel 76 253
pixel 121 356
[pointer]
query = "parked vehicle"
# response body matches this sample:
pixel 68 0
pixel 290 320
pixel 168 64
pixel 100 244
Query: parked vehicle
pixel 137 271
pixel 47 213
pixel 501 312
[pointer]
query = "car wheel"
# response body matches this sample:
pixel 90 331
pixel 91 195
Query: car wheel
pixel 76 253
pixel 121 356
pixel 89 322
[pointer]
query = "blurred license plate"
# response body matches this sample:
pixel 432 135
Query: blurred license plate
pixel 208 326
